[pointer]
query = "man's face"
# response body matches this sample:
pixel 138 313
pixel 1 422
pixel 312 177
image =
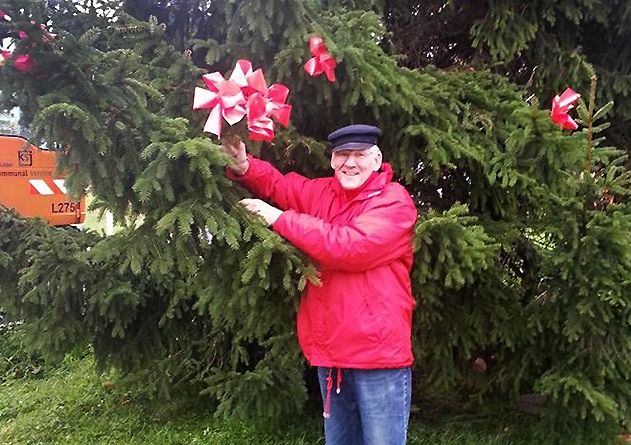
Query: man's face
pixel 353 167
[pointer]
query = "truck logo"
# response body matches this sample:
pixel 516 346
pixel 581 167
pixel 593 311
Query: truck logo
pixel 25 155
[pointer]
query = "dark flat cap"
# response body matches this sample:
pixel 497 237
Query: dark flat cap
pixel 354 137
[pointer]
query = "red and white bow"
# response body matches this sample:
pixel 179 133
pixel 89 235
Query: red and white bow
pixel 224 99
pixel 244 93
pixel 265 105
pixel 262 108
pixel 561 105
pixel 322 61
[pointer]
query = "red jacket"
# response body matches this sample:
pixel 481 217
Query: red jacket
pixel 360 316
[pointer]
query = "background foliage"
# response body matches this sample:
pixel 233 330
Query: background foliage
pixel 522 255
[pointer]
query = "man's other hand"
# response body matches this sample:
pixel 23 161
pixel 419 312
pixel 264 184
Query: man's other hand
pixel 269 213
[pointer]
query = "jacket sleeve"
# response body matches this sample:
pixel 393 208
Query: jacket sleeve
pixel 290 191
pixel 378 236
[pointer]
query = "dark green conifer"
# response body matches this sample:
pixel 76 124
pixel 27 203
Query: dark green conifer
pixel 521 268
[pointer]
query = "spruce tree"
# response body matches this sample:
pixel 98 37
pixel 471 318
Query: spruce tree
pixel 521 265
pixel 544 46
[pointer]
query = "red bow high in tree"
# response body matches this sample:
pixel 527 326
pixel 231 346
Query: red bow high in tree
pixel 322 61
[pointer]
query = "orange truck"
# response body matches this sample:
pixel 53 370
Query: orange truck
pixel 29 185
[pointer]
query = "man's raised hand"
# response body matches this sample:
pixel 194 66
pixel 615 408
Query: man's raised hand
pixel 234 147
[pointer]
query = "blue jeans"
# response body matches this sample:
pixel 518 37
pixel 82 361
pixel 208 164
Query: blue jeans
pixel 371 408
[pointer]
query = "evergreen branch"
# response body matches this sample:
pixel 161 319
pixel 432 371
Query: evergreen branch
pixel 590 123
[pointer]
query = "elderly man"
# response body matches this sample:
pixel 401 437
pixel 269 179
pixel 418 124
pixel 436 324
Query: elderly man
pixel 355 327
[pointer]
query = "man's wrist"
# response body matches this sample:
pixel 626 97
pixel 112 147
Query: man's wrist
pixel 240 167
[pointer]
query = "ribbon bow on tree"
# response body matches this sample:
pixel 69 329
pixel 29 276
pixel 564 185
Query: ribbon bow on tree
pixel 322 61
pixel 224 99
pixel 244 93
pixel 263 102
pixel 560 107
pixel 24 62
pixel 262 107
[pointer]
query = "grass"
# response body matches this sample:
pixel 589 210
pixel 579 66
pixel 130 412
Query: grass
pixel 93 220
pixel 72 405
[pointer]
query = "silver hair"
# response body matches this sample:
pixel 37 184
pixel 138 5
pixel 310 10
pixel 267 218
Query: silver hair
pixel 376 150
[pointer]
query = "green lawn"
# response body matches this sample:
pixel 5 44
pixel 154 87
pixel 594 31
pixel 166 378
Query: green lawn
pixel 93 221
pixel 72 405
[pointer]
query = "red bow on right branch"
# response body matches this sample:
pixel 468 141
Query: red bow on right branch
pixel 561 105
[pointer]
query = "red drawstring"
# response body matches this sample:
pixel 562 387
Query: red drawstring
pixel 327 400
pixel 329 385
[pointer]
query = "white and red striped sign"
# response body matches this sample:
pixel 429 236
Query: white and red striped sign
pixel 47 187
